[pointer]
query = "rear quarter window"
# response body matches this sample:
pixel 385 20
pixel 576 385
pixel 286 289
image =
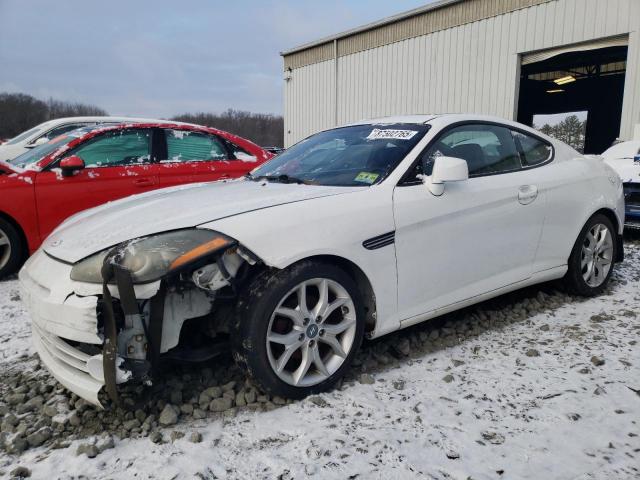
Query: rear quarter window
pixel 534 151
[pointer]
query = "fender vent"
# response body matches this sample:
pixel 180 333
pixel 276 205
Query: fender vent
pixel 380 241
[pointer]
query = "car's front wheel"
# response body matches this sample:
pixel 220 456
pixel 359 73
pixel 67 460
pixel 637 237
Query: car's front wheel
pixel 11 248
pixel 297 330
pixel 592 258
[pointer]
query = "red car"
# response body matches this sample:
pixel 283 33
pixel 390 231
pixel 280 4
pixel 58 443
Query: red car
pixel 93 165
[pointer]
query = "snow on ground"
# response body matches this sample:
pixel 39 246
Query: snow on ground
pixel 531 385
pixel 15 331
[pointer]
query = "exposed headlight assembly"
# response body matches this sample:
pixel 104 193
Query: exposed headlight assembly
pixel 151 258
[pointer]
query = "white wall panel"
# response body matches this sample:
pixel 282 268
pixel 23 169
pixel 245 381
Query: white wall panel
pixel 470 68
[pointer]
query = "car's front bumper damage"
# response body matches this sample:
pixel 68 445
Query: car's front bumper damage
pixel 65 325
pixel 94 337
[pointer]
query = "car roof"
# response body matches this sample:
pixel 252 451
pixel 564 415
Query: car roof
pixel 426 118
pixel 110 119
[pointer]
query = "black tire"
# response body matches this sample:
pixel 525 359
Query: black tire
pixel 16 246
pixel 573 280
pixel 255 306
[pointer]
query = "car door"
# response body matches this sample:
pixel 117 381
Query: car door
pixel 480 235
pixel 194 156
pixel 117 164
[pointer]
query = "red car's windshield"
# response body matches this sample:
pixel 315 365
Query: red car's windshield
pixel 38 153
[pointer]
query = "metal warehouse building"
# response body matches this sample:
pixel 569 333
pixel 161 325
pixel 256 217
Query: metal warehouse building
pixel 510 58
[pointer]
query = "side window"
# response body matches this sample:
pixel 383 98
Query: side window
pixel 51 134
pixel 534 151
pixel 186 146
pixel 488 149
pixel 128 147
pixel 241 153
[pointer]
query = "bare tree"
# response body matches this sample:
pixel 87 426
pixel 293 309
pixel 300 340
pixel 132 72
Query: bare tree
pixel 264 129
pixel 20 112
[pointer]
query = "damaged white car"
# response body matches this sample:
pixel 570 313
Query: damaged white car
pixel 356 231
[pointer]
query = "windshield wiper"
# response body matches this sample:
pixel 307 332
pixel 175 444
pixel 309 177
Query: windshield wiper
pixel 281 179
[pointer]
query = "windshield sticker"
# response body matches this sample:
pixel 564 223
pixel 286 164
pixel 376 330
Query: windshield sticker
pixel 366 177
pixel 378 134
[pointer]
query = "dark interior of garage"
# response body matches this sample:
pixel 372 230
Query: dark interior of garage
pixel 586 81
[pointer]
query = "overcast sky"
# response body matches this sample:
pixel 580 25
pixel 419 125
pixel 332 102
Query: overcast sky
pixel 160 58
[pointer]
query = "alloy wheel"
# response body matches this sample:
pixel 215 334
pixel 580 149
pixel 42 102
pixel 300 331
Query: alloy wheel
pixel 597 255
pixel 311 332
pixel 5 249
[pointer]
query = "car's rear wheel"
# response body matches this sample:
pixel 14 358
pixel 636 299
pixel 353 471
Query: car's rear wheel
pixel 297 330
pixel 592 258
pixel 11 248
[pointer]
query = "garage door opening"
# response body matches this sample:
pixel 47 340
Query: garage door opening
pixel 575 95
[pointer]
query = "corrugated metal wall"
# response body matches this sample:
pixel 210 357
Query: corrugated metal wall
pixel 470 68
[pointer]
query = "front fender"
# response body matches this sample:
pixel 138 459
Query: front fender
pixel 329 226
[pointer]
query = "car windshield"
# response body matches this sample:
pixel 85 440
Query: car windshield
pixel 23 135
pixel 38 153
pixel 359 155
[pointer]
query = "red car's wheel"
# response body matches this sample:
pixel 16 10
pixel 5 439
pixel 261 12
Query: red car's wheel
pixel 11 248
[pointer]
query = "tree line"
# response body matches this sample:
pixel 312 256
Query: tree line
pixel 264 129
pixel 20 112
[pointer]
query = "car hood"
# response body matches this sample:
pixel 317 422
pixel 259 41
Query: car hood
pixel 169 209
pixel 626 168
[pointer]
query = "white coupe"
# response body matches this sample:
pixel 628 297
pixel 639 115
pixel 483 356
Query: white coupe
pixel 355 231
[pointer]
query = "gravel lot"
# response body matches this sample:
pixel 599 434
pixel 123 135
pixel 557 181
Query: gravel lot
pixel 535 384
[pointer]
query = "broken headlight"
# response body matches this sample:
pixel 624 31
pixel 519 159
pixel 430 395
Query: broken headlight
pixel 150 258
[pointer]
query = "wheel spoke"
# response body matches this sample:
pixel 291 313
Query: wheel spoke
pixel 335 345
pixel 302 370
pixel 295 315
pixel 3 240
pixel 290 338
pixel 323 298
pixel 584 262
pixel 339 327
pixel 286 355
pixel 589 273
pixel 603 264
pixel 302 299
pixel 592 242
pixel 337 303
pixel 317 361
pixel 602 238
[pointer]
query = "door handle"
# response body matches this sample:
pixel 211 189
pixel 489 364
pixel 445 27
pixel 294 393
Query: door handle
pixel 144 182
pixel 527 194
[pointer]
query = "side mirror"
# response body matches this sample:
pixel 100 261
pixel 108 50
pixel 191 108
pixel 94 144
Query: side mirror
pixel 40 141
pixel 71 165
pixel 446 169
